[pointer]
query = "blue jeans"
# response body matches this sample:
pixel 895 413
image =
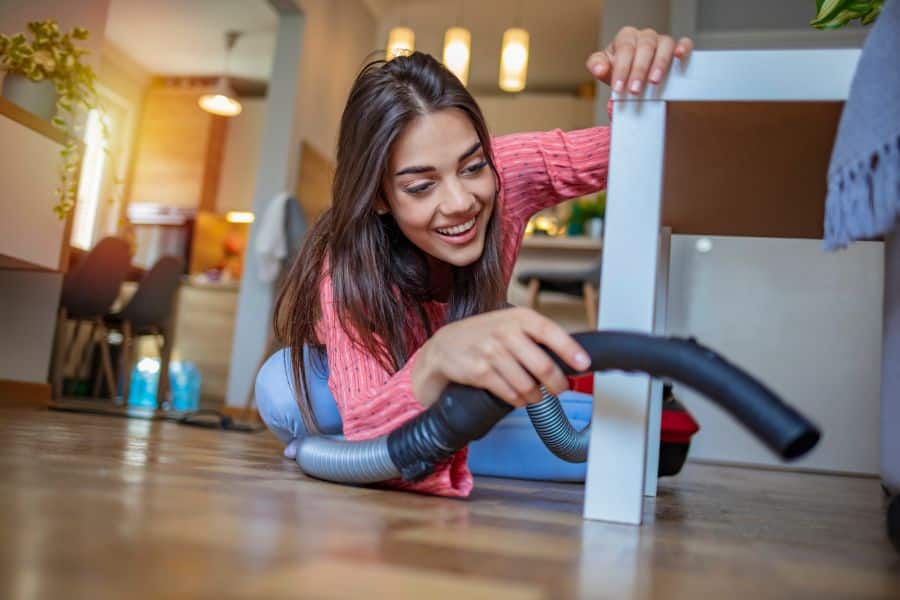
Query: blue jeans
pixel 511 449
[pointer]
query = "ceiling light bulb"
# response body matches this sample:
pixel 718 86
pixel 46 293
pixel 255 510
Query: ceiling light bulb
pixel 221 100
pixel 457 44
pixel 514 60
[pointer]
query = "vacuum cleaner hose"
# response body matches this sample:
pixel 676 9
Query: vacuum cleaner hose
pixel 463 414
pixel 553 427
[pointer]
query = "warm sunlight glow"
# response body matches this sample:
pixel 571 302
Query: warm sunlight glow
pixel 89 183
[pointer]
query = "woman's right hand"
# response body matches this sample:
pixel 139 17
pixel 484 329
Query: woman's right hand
pixel 497 351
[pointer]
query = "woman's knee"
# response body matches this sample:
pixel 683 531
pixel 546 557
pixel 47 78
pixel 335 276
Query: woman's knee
pixel 276 397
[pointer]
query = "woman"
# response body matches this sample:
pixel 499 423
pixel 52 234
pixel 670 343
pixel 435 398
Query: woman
pixel 400 279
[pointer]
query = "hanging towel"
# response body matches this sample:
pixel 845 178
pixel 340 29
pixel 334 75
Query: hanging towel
pixel 271 244
pixel 864 174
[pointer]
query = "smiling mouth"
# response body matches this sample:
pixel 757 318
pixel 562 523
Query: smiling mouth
pixel 458 229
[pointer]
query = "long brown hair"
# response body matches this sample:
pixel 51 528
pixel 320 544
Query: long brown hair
pixel 379 278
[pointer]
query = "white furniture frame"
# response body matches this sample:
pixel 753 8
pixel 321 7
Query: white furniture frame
pixel 627 408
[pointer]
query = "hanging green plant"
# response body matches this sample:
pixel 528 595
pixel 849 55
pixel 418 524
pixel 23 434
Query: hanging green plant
pixel 52 55
pixel 834 14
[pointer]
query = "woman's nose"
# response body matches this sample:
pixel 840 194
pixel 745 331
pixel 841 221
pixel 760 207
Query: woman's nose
pixel 457 200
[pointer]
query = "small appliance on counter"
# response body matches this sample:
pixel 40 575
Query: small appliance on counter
pixel 159 231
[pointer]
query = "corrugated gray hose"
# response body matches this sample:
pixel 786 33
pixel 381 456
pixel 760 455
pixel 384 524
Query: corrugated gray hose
pixel 463 414
pixel 555 430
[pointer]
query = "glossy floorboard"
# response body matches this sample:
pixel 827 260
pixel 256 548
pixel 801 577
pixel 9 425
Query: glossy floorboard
pixel 94 507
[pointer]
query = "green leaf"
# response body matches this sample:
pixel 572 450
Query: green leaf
pixel 870 18
pixel 827 10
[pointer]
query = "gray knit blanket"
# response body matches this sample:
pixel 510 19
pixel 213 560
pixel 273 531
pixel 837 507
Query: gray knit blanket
pixel 864 174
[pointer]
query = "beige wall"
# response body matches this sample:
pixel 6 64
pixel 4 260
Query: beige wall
pixel 338 36
pixel 536 112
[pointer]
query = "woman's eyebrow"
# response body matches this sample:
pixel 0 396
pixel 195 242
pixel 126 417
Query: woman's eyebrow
pixel 424 169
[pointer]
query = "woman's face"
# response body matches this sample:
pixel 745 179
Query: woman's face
pixel 440 188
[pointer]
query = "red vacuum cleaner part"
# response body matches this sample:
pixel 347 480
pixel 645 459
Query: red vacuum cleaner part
pixel 676 431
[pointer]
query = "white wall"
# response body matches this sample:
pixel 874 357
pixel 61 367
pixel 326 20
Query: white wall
pixel 241 157
pixel 805 322
pixel 28 301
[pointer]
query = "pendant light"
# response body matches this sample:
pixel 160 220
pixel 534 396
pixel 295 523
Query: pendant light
pixel 401 41
pixel 222 100
pixel 458 48
pixel 514 60
pixel 457 51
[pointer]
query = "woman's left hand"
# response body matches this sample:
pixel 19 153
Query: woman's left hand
pixel 636 56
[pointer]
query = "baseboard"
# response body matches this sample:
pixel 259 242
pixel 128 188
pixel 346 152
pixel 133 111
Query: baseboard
pixel 240 413
pixel 24 393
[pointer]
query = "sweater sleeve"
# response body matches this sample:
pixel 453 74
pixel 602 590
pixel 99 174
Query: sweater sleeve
pixel 373 402
pixel 538 170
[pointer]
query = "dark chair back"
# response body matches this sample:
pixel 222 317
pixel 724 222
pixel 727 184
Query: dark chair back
pixel 93 285
pixel 154 299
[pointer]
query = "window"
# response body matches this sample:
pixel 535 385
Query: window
pixel 91 183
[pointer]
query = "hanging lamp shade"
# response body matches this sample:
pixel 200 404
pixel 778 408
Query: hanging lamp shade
pixel 457 52
pixel 401 41
pixel 221 100
pixel 514 60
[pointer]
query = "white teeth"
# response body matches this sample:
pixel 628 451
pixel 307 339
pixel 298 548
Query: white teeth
pixel 458 229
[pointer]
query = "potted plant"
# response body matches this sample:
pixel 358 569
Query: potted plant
pixel 51 58
pixel 834 14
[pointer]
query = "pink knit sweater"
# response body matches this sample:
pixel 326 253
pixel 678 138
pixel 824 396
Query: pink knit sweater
pixel 536 170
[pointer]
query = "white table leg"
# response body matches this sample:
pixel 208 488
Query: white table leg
pixel 615 471
pixel 654 418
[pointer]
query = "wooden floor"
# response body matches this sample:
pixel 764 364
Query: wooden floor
pixel 94 507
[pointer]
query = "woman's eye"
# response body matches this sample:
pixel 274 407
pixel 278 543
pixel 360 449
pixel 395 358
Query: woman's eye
pixel 476 167
pixel 418 189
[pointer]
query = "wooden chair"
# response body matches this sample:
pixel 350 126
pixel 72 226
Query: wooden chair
pixel 580 283
pixel 88 293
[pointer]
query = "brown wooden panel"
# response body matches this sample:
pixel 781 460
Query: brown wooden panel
pixel 172 148
pixel 212 168
pixel 11 262
pixel 24 393
pixel 314 182
pixel 748 169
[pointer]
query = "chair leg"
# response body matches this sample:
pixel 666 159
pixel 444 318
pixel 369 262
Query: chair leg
pixel 95 390
pixel 107 362
pixel 87 353
pixel 590 304
pixel 165 356
pixel 125 361
pixel 534 288
pixel 56 366
pixel 70 347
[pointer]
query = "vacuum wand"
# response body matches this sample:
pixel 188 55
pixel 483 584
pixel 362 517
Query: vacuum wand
pixel 463 414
